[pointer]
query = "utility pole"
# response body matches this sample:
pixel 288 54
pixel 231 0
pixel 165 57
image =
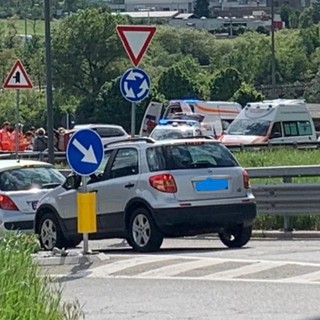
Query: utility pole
pixel 49 81
pixel 273 56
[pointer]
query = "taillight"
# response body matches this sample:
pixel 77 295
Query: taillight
pixel 163 182
pixel 6 203
pixel 246 180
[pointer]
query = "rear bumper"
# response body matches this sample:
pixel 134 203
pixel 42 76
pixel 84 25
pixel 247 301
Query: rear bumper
pixel 15 220
pixel 203 219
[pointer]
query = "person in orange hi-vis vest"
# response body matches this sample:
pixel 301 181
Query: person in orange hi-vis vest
pixel 21 145
pixel 5 137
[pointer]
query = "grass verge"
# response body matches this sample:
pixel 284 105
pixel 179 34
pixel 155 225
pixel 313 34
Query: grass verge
pixel 24 294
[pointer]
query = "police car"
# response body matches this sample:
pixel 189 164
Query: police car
pixel 176 129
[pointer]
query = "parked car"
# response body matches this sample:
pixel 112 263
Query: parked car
pixel 22 184
pixel 147 190
pixel 107 132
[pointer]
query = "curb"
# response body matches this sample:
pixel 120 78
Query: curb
pixel 79 259
pixel 285 235
pixel 271 235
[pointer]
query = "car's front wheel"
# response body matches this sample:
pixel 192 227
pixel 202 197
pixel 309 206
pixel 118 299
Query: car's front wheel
pixel 236 237
pixel 50 233
pixel 144 235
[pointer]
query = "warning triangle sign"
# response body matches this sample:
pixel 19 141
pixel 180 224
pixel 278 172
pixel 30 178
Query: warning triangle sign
pixel 17 78
pixel 136 40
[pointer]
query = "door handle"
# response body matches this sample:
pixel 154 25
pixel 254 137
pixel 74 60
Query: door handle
pixel 129 185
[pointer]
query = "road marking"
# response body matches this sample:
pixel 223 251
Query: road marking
pixel 177 267
pixel 245 270
pixel 118 266
pixel 312 276
pixel 170 271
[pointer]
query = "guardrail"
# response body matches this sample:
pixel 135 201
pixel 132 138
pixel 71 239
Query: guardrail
pixel 60 156
pixel 287 198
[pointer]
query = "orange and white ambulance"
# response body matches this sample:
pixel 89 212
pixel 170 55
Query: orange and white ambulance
pixel 273 121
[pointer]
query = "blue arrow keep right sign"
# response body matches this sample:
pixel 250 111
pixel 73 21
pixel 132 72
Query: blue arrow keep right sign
pixel 135 85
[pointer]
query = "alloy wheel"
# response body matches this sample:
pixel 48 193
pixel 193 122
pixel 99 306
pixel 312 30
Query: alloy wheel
pixel 141 230
pixel 48 234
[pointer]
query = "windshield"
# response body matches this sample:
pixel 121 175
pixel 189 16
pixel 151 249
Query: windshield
pixel 167 133
pixel 249 127
pixel 29 178
pixel 189 155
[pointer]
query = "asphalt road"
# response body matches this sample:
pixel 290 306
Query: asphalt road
pixel 197 279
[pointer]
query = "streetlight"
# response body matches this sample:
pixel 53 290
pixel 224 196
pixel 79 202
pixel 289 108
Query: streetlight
pixel 49 81
pixel 273 56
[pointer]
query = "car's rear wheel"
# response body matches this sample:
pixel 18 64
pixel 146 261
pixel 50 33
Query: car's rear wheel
pixel 144 235
pixel 50 233
pixel 236 237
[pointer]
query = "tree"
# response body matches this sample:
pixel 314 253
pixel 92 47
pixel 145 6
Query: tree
pixel 247 93
pixel 305 18
pixel 316 11
pixel 312 93
pixel 285 12
pixel 176 82
pixel 87 51
pixel 109 106
pixel 201 8
pixel 225 84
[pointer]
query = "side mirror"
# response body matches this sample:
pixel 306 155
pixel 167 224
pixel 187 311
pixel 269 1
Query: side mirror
pixel 73 181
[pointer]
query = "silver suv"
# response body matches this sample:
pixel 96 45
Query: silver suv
pixel 148 190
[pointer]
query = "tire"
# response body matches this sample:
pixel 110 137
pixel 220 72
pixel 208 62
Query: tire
pixel 144 235
pixel 50 233
pixel 236 237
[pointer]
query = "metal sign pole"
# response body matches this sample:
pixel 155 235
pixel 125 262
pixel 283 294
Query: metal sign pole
pixel 85 235
pixel 133 119
pixel 17 124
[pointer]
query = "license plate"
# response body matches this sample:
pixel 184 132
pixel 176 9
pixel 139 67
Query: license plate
pixel 210 184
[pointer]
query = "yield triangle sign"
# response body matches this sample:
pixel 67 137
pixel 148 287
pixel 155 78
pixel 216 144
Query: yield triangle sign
pixel 17 78
pixel 136 40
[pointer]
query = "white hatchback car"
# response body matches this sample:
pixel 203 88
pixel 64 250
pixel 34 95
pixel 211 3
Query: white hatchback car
pixel 22 184
pixel 107 132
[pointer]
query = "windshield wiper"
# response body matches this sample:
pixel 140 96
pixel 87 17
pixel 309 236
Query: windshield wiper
pixel 202 164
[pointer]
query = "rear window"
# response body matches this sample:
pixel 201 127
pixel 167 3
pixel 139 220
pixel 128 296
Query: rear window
pixel 189 156
pixel 29 177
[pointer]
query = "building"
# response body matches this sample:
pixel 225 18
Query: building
pixel 236 8
pixel 150 5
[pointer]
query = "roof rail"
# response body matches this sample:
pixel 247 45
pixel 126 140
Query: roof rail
pixel 144 139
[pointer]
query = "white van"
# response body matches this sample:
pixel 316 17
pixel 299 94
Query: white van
pixel 217 114
pixel 279 120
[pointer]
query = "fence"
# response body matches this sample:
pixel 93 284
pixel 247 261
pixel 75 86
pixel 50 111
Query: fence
pixel 60 156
